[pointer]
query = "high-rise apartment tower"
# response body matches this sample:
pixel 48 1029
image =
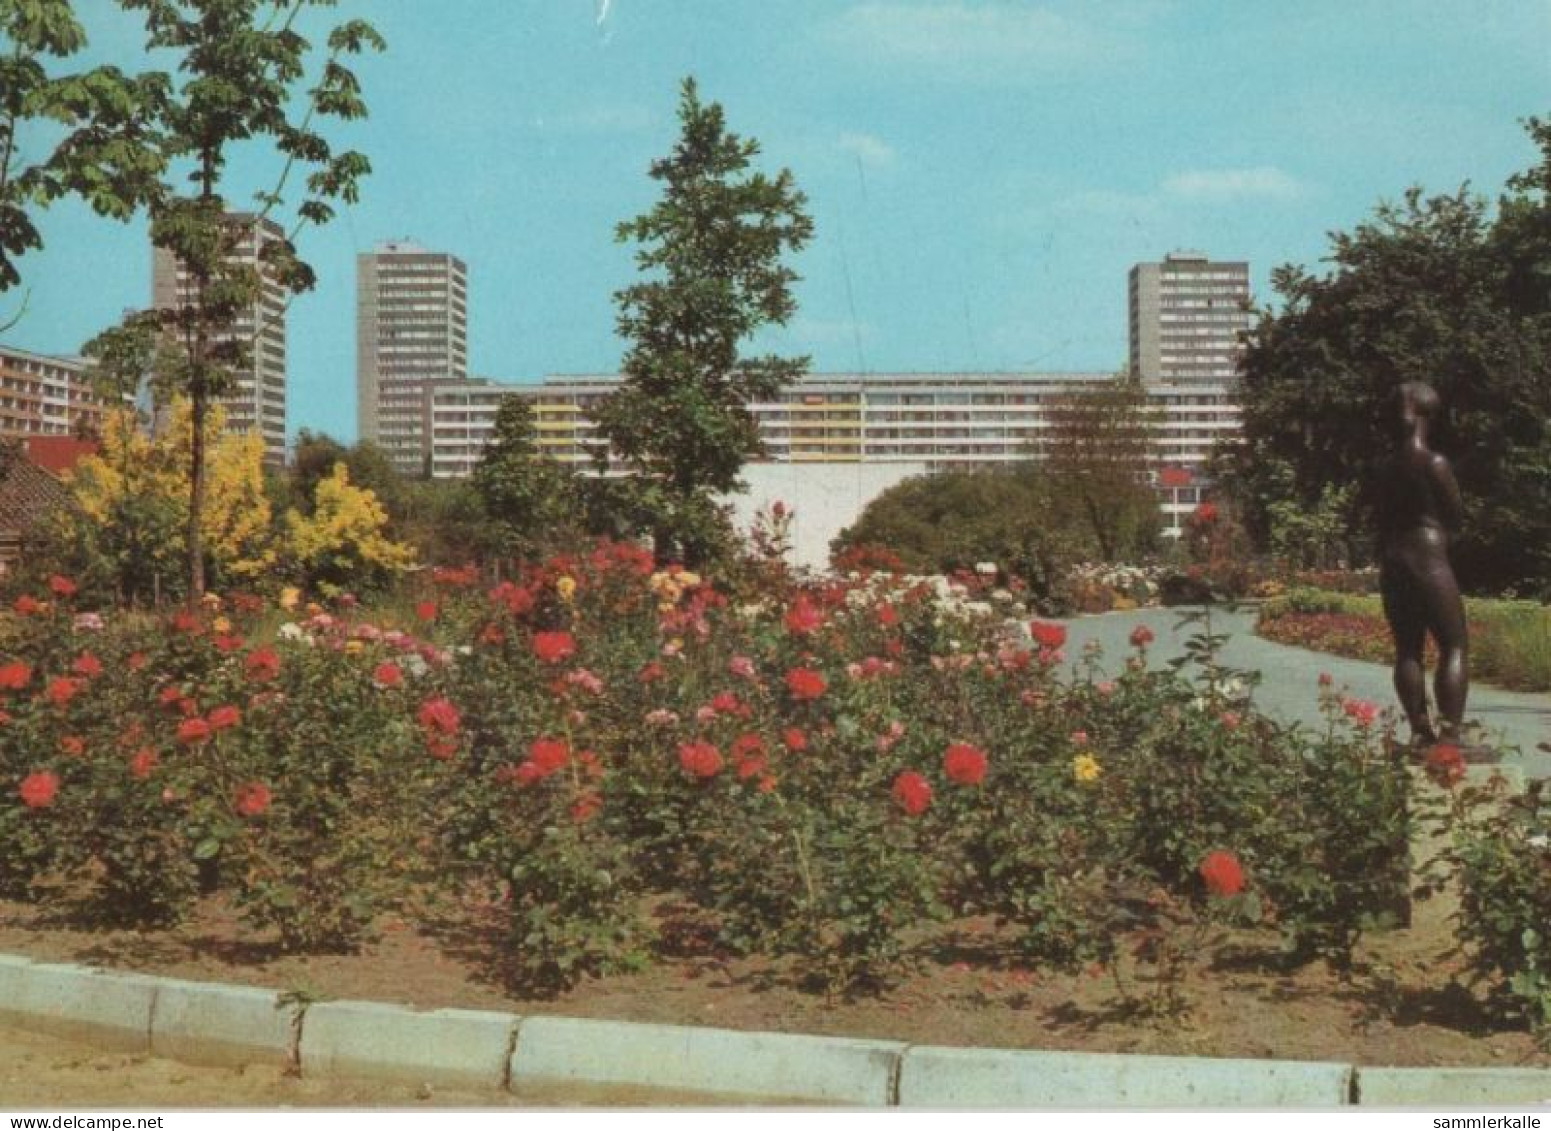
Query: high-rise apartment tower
pixel 257 396
pixel 1187 315
pixel 411 333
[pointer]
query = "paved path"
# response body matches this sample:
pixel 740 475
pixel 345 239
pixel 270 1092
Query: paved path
pixel 1289 689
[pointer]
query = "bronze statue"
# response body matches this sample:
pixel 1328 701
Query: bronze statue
pixel 1418 507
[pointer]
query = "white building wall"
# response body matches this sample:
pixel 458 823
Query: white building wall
pixel 825 498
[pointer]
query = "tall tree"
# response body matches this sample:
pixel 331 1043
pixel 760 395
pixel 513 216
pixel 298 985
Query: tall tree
pixel 712 250
pixel 241 65
pixel 1096 456
pixel 1431 289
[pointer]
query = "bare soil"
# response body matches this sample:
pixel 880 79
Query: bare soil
pixel 1405 1005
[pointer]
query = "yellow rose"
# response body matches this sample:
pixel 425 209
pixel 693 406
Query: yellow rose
pixel 354 647
pixel 221 625
pixel 688 580
pixel 290 597
pixel 1086 768
pixel 566 587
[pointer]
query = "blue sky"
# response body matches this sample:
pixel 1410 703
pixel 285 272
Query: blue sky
pixel 981 173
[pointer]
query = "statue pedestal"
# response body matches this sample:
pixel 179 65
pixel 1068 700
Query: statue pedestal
pixel 1479 755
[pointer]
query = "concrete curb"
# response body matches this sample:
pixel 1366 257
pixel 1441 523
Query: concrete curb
pixel 204 1023
pixel 213 1023
pixel 772 1066
pixel 1453 1087
pixel 959 1077
pixel 448 1047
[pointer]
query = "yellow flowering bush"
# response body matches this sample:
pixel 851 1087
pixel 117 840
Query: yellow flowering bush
pixel 343 543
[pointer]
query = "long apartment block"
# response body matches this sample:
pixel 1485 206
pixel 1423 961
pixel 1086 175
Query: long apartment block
pixel 42 395
pixel 940 420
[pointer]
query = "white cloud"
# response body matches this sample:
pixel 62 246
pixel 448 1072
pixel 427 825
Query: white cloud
pixel 870 150
pixel 1263 182
pixel 974 40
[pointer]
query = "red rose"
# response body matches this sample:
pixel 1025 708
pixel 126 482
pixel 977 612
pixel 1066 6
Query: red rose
pixel 252 799
pixel 515 598
pixel 62 690
pixel 263 664
pixel 747 744
pixel 1206 512
pixel 652 672
pixel 805 683
pixel 802 618
pixel 888 616
pixel 965 764
pixel 794 740
pixel 1141 636
pixel 586 806
pixel 700 759
pixel 224 717
pixel 552 647
pixel 138 660
pixel 1361 711
pixel 72 746
pixel 442 749
pixel 426 610
pixel 1047 635
pixel 142 763
pixel 388 674
pixel 1223 873
pixel 438 716
pixel 15 676
pixel 26 605
pixel 38 789
pixel 61 586
pixel 229 642
pixel 191 732
pixel 726 703
pixel 87 665
pixel 912 792
pixel 549 755
pixel 1445 765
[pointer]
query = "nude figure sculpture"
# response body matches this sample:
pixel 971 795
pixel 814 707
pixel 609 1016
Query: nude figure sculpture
pixel 1419 507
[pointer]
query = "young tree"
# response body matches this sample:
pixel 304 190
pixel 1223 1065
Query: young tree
pixel 527 497
pixel 712 250
pixel 240 65
pixel 1096 457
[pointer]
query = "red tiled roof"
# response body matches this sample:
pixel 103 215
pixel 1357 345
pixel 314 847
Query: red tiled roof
pixel 59 453
pixel 27 494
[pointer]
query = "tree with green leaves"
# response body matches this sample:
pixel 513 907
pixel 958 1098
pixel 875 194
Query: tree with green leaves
pixel 1095 455
pixel 1433 289
pixel 527 497
pixel 712 251
pixel 105 121
pixel 241 66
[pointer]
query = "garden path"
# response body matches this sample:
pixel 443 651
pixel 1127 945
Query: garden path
pixel 1289 684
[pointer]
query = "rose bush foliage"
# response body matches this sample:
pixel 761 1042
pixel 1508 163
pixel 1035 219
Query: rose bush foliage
pixel 818 771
